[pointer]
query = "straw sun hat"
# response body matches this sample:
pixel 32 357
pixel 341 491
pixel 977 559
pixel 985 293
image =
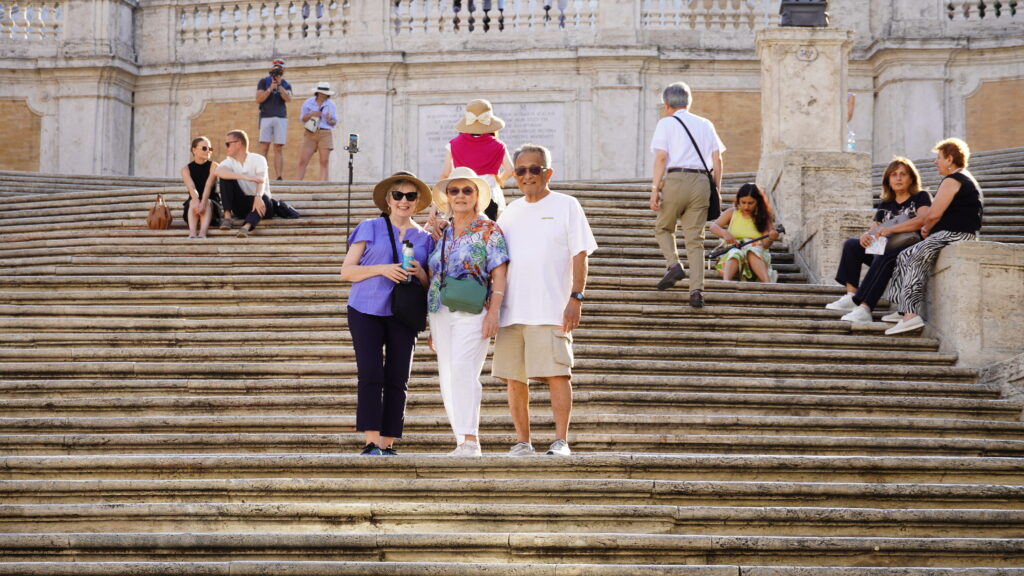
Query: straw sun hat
pixel 381 190
pixel 463 173
pixel 479 118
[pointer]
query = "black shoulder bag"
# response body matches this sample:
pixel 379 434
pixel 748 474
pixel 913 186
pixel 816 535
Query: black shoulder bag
pixel 408 299
pixel 715 199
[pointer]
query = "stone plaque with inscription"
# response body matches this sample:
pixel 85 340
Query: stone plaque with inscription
pixel 536 122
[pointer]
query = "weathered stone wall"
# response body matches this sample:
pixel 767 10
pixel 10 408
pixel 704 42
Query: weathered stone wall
pixel 19 136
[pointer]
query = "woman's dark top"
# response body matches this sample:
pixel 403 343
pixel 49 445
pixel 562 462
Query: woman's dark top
pixel 200 173
pixel 893 209
pixel 964 213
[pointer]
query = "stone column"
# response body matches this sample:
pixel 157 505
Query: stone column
pixel 814 184
pixel 615 117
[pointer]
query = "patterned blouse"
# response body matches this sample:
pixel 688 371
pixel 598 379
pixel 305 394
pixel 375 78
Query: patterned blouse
pixel 474 254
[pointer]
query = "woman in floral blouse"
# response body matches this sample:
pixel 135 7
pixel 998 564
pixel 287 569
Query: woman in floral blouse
pixel 472 248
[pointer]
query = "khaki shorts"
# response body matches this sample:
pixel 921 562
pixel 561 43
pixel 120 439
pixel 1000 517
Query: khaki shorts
pixel 522 352
pixel 322 140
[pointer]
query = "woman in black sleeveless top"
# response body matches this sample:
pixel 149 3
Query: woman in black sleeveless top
pixel 202 207
pixel 955 216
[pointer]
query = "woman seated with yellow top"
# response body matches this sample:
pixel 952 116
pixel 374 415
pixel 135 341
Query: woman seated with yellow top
pixel 750 217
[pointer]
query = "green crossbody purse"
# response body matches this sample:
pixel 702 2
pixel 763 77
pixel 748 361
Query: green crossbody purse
pixel 460 294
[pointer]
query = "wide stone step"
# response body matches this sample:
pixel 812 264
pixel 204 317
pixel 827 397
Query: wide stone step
pixel 613 547
pixel 517 490
pixel 446 518
pixel 440 443
pixel 265 386
pixel 315 568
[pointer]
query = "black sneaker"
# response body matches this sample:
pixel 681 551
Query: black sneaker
pixel 672 275
pixel 371 449
pixel 389 451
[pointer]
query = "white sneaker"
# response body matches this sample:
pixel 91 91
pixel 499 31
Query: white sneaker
pixel 915 323
pixel 467 450
pixel 559 448
pixel 860 315
pixel 522 449
pixel 844 304
pixel 893 317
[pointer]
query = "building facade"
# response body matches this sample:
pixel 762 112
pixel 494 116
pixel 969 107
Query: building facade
pixel 121 86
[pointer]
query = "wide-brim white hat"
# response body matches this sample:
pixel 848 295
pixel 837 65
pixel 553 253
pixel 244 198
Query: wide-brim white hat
pixel 323 88
pixel 483 189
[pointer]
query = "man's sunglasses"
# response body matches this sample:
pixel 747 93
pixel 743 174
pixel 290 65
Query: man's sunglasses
pixel 410 196
pixel 467 191
pixel 228 143
pixel 535 170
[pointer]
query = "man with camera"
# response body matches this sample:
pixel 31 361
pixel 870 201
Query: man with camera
pixel 683 144
pixel 272 94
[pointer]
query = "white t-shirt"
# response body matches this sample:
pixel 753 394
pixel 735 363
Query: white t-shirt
pixel 542 239
pixel 670 137
pixel 254 164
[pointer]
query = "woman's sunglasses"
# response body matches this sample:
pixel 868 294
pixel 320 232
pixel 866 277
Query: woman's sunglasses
pixel 467 191
pixel 535 170
pixel 410 196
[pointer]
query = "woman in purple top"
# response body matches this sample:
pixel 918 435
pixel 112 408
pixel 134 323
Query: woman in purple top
pixel 382 343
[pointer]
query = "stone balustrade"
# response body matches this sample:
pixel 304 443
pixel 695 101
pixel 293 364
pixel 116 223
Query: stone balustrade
pixel 216 23
pixel 709 14
pixel 31 21
pixel 432 17
pixel 980 9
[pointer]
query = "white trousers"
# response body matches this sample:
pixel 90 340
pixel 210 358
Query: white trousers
pixel 461 351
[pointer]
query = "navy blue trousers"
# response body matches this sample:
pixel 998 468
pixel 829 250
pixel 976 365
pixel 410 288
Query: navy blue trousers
pixel 880 269
pixel 384 348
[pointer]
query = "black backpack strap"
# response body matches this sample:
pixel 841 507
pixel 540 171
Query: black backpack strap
pixel 391 234
pixel 695 147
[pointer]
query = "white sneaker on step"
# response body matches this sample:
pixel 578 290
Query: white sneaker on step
pixel 844 304
pixel 893 317
pixel 467 450
pixel 860 315
pixel 915 323
pixel 559 448
pixel 522 449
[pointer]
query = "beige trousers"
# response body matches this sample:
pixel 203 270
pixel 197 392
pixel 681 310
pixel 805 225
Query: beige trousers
pixel 684 198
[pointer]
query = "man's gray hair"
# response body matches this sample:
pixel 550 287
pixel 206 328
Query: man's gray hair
pixel 544 153
pixel 677 95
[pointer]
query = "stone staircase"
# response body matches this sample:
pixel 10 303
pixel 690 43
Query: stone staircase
pixel 175 406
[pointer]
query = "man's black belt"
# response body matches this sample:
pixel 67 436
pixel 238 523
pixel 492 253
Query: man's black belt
pixel 688 170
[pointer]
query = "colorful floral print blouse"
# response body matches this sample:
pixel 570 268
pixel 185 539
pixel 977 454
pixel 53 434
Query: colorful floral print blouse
pixel 474 254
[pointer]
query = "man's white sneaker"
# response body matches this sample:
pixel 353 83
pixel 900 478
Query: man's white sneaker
pixel 892 317
pixel 467 450
pixel 559 448
pixel 522 449
pixel 915 323
pixel 844 304
pixel 860 315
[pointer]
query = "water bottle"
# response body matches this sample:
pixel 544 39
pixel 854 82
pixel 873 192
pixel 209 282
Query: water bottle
pixel 851 140
pixel 407 256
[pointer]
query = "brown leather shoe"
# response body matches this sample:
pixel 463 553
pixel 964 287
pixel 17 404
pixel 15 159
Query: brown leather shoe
pixel 672 275
pixel 696 299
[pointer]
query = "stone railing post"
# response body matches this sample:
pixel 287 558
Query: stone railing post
pixel 974 297
pixel 803 168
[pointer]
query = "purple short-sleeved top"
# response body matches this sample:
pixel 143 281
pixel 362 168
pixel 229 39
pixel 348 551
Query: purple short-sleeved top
pixel 373 295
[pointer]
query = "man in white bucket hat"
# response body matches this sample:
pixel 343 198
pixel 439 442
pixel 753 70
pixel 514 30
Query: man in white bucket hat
pixel 319 117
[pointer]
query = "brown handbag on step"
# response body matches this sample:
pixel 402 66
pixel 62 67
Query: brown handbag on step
pixel 159 215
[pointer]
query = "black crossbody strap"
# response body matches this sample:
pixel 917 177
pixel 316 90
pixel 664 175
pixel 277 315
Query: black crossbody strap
pixel 695 147
pixel 391 234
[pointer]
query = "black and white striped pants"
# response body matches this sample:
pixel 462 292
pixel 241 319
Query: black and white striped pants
pixel 913 266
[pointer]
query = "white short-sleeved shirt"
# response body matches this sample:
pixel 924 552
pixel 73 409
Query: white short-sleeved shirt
pixel 542 238
pixel 670 137
pixel 254 164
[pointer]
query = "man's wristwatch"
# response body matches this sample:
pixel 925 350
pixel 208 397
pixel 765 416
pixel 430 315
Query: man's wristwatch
pixel 577 295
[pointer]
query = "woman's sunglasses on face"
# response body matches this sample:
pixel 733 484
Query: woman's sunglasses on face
pixel 535 170
pixel 467 191
pixel 410 196
pixel 205 148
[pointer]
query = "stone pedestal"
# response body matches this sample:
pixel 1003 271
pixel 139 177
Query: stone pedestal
pixel 974 298
pixel 813 183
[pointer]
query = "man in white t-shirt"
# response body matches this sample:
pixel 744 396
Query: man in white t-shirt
pixel 245 184
pixel 549 240
pixel 680 190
